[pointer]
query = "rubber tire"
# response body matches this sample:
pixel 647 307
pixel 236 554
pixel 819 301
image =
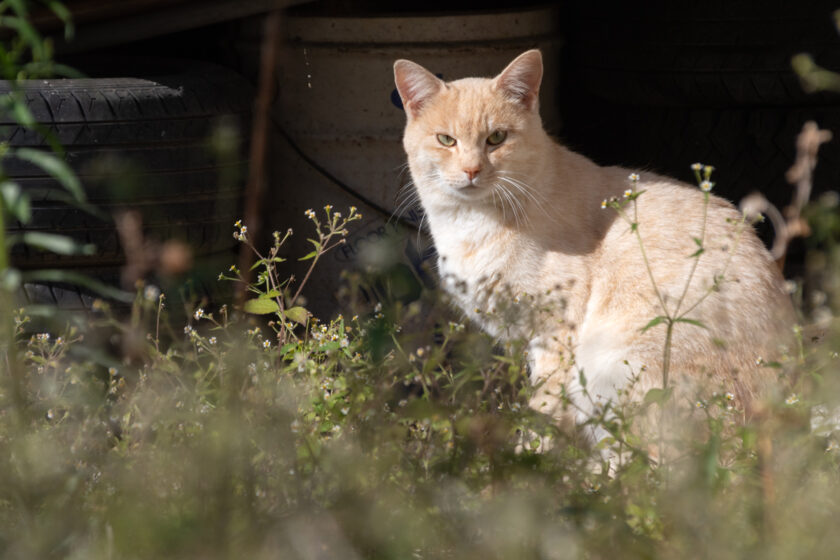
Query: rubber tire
pixel 147 133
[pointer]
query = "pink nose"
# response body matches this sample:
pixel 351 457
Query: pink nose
pixel 472 172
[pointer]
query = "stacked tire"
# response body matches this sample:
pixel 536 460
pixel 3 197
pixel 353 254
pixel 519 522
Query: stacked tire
pixel 138 135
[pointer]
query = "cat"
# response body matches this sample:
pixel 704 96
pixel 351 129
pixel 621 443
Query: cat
pixel 516 217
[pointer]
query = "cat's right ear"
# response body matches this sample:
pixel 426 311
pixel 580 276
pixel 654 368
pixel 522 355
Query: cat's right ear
pixel 416 85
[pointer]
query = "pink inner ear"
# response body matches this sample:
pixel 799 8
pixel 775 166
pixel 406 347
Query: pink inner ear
pixel 522 78
pixel 415 84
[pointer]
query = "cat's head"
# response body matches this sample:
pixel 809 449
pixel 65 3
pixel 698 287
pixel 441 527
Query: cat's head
pixel 469 138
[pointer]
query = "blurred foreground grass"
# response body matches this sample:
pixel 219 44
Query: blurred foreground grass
pixel 389 434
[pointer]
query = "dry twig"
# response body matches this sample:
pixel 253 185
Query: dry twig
pixel 789 225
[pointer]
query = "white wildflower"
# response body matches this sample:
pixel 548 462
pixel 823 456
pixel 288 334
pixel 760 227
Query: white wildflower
pixel 151 292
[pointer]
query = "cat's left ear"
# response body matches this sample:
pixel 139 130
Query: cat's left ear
pixel 521 79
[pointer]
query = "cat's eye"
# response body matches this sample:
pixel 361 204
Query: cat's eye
pixel 497 137
pixel 446 140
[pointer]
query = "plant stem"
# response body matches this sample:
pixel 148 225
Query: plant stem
pixel 305 278
pixel 709 291
pixel 696 258
pixel 634 225
pixel 666 353
pixel 666 368
pixel 8 328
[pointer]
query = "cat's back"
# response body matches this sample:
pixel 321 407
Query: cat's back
pixel 704 259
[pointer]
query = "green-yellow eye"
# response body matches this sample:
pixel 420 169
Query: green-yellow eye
pixel 446 140
pixel 497 138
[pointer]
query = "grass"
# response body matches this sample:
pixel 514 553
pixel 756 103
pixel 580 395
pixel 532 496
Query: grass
pixel 367 436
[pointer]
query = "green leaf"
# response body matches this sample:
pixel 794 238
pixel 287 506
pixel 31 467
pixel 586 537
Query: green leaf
pixel 653 322
pixel 261 306
pixel 15 202
pixel 77 279
pixel 61 196
pixel 65 71
pixel 56 167
pixel 694 322
pixel 19 7
pixel 297 314
pixel 327 346
pixel 58 244
pixel 309 256
pixel 582 378
pixel 48 68
pixel 698 241
pixel 657 395
pixel 64 15
pixel 697 253
pixel 10 279
pixel 21 113
pixel 25 31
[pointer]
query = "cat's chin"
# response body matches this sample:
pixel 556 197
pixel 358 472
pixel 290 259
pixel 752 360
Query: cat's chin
pixel 470 192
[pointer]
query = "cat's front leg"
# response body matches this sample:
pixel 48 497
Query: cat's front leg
pixel 550 365
pixel 560 392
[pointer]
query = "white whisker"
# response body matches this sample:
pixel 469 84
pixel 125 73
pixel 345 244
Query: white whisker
pixel 525 191
pixel 513 204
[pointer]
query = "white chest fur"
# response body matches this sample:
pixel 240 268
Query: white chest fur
pixel 489 270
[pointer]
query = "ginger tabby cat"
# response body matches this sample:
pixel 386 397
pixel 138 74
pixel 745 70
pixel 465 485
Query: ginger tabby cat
pixel 518 223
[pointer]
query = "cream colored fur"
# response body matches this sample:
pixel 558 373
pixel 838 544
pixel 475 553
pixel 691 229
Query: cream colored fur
pixel 528 232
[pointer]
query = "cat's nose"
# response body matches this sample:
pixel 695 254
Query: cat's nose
pixel 472 171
